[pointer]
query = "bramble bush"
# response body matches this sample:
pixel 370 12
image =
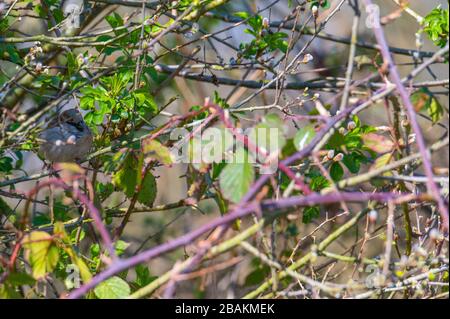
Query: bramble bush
pixel 307 142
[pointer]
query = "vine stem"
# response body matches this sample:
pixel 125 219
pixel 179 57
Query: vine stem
pixel 394 75
pixel 245 210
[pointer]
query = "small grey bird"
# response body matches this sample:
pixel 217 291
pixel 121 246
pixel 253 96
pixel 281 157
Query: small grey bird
pixel 67 138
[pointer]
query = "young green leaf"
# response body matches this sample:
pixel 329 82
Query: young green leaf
pixel 303 137
pixel 112 288
pixel 236 178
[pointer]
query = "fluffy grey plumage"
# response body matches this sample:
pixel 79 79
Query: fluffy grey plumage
pixel 66 139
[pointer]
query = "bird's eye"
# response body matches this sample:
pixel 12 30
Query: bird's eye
pixel 77 125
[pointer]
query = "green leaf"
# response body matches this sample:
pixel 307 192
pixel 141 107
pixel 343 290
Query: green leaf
pixel 143 276
pixel 336 140
pixel 258 274
pixel 112 288
pixel 424 99
pixel 436 25
pixel 41 253
pixel 318 181
pixel 221 203
pixel 5 210
pixel 336 171
pixel 220 101
pixel 435 110
pixel 114 20
pixel 309 213
pixel 125 177
pixel 20 279
pixel 352 162
pixel 120 246
pixel 6 164
pixel 8 292
pixel 236 178
pixel 242 14
pixel 103 191
pixel 381 161
pixel 303 137
pixel 147 194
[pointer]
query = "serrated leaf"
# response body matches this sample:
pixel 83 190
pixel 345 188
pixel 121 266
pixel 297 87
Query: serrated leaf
pixel 236 178
pixel 41 253
pixel 112 288
pixel 303 137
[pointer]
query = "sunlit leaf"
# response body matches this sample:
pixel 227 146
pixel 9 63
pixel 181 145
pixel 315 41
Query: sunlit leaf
pixel 236 178
pixel 303 137
pixel 41 253
pixel 112 288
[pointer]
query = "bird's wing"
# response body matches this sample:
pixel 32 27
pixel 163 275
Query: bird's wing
pixel 54 122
